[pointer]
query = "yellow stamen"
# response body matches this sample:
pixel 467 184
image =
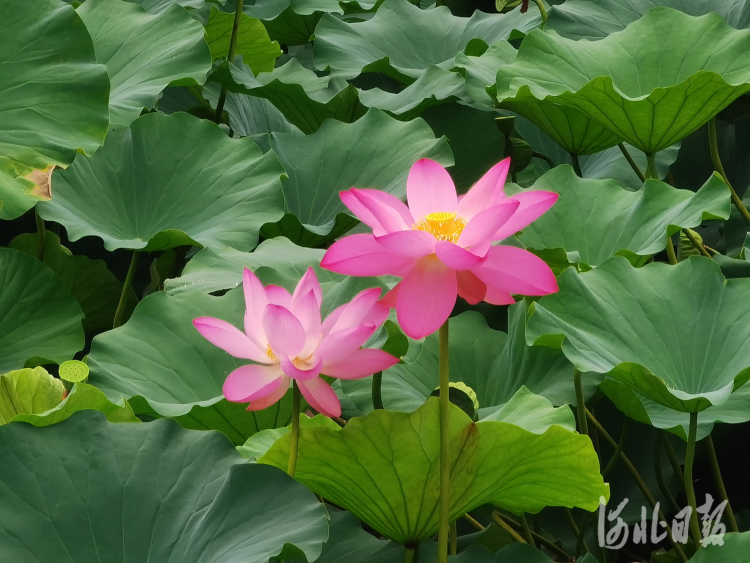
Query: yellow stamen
pixel 270 353
pixel 443 225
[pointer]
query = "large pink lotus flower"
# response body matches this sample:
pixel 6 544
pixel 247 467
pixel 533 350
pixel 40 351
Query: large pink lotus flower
pixel 285 336
pixel 441 244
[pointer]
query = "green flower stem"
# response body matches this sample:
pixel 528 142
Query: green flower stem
pixel 454 539
pixel 542 11
pixel 673 460
pixel 409 555
pixel 583 426
pixel 576 165
pixel 445 456
pixel 500 521
pixel 41 235
pixel 719 482
pixel 719 167
pixel 471 520
pixel 538 538
pixel 618 450
pixel 641 484
pixel 526 530
pixel 294 448
pixel 694 241
pixel 230 58
pixel 670 251
pixel 689 488
pixel 651 171
pixel 377 396
pixel 660 474
pixel 126 289
pixel 632 163
pixel 579 533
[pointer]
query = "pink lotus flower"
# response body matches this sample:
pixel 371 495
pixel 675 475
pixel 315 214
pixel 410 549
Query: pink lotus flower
pixel 441 244
pixel 285 336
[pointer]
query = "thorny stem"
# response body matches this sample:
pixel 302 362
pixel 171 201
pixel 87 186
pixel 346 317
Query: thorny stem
pixel 230 59
pixel 126 289
pixel 719 482
pixel 294 448
pixel 641 485
pixel 576 165
pixel 660 474
pixel 651 171
pixel 671 256
pixel 583 426
pixel 540 539
pixel 507 527
pixel 719 167
pixel 526 530
pixel 41 235
pixel 377 396
pixel 689 487
pixel 632 163
pixel 444 512
pixel 542 11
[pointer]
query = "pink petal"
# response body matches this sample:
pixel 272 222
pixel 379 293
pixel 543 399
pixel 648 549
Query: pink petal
pixel 361 255
pixel 361 363
pixel 230 339
pixel 267 401
pixel 429 189
pixel 497 296
pixel 457 258
pixel 321 397
pixel 298 373
pixel 389 299
pixel 412 244
pixel 338 345
pixel 488 191
pixel 470 287
pixel 426 297
pixel 255 303
pixel 516 270
pixel 381 211
pixel 533 205
pixel 486 223
pixel 309 282
pixel 252 382
pixel 363 309
pixel 285 333
pixel 279 296
pixel 307 312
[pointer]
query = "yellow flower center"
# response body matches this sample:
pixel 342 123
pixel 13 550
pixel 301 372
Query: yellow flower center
pixel 443 225
pixel 270 354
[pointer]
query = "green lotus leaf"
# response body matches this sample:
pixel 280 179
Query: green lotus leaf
pixel 376 151
pixel 599 219
pixel 595 19
pixel 348 542
pixel 531 412
pixel 143 52
pixel 40 321
pixel 292 22
pixel 169 180
pixel 164 367
pixel 671 333
pixel 735 410
pixel 304 98
pixel 733 548
pixel 494 364
pixel 253 43
pixel 96 289
pixel 480 72
pixel 275 261
pixel 384 468
pixel 159 363
pixel 158 6
pixel 146 492
pixel 435 87
pixel 648 93
pixel 32 395
pixel 401 40
pixel 46 56
pixel 250 116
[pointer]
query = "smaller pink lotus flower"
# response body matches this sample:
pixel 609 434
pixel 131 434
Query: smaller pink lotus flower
pixel 285 336
pixel 441 244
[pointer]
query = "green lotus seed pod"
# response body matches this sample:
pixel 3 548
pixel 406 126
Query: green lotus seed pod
pixel 74 371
